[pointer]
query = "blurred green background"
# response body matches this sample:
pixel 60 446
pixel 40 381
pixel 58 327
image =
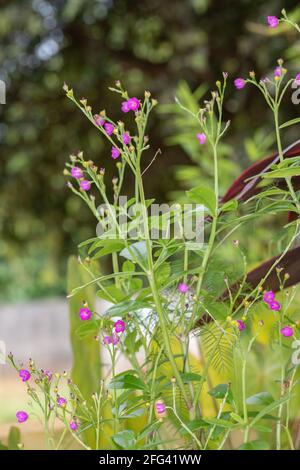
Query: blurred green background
pixel 168 47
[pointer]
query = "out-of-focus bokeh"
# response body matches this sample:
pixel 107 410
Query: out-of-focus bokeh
pixel 169 47
pixel 89 44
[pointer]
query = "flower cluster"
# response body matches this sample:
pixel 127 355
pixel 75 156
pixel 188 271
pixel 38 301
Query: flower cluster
pixel 278 73
pixel 118 328
pixel 273 304
pixel 42 379
pixel 132 104
pixel 269 299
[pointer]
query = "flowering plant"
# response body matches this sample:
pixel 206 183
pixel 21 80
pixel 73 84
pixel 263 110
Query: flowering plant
pixel 193 327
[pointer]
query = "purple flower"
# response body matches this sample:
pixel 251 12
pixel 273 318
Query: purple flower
pixel 160 407
pixel 85 185
pixel 125 107
pixel 297 79
pixel 21 416
pixel 269 296
pixel 273 21
pixel 73 425
pixel 24 375
pixel 274 305
pixel 115 339
pixel 134 104
pixel 278 71
pixel 201 138
pixel 107 340
pixel 76 172
pixel 239 83
pixel 115 153
pixel 287 331
pixel 61 401
pixel 48 374
pixel 241 325
pixel 99 120
pixel 183 288
pixel 126 138
pixel 119 326
pixel 109 128
pixel 85 314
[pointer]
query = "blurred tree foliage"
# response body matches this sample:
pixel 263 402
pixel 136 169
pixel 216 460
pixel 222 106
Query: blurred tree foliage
pixel 150 44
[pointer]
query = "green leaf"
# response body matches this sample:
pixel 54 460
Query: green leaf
pixel 236 418
pixel 125 439
pixel 219 391
pixel 269 408
pixel 194 425
pixel 108 247
pixel 255 445
pixel 163 273
pixel 223 423
pixel 126 381
pixel 137 253
pixel 290 123
pixel 190 377
pixel 127 306
pixel 134 413
pixel 128 266
pixel 148 429
pixel 111 294
pixel 283 173
pixel 229 206
pixel 262 398
pixel 88 329
pixel 203 195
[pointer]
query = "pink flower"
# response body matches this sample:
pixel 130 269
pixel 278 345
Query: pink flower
pixel 278 71
pixel 115 339
pixel 115 153
pixel 76 172
pixel 48 374
pixel 269 296
pixel 241 325
pixel 24 375
pixel 126 138
pixel 119 326
pixel 109 128
pixel 273 21
pixel 160 408
pixel 134 104
pixel 183 288
pixel 274 305
pixel 125 107
pixel 107 340
pixel 21 416
pixel 99 120
pixel 239 83
pixel 201 138
pixel 73 426
pixel 85 185
pixel 61 401
pixel 287 331
pixel 297 79
pixel 85 313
